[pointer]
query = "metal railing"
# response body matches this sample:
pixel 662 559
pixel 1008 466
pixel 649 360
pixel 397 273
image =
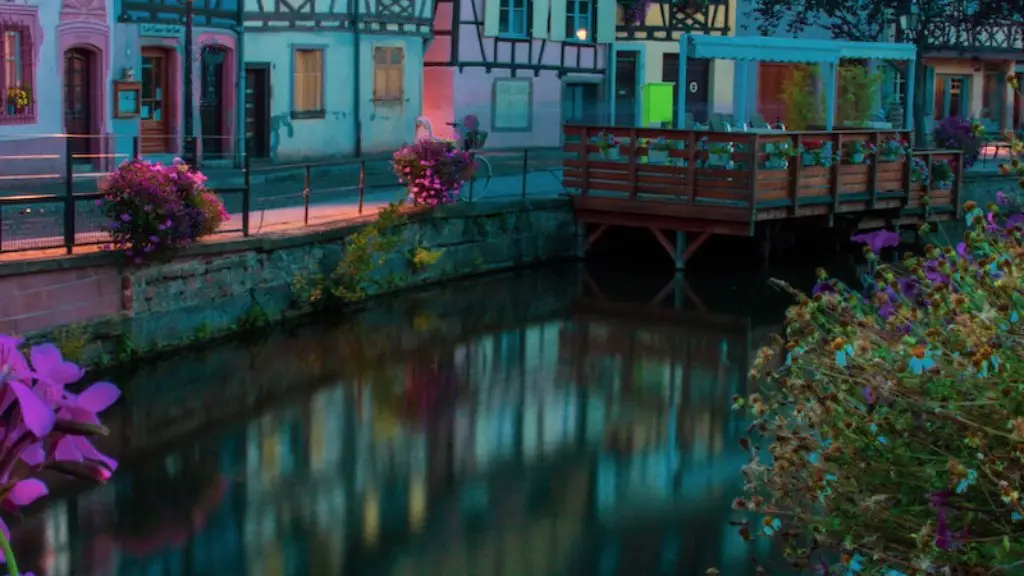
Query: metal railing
pixel 44 204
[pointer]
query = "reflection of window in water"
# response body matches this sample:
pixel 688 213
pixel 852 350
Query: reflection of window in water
pixel 549 421
pixel 57 555
pixel 327 416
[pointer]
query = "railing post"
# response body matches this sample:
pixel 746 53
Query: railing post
pixel 136 147
pixel 362 184
pixel 246 195
pixel 526 168
pixel 69 196
pixel 305 196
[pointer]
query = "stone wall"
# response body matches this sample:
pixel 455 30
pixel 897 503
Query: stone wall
pixel 89 305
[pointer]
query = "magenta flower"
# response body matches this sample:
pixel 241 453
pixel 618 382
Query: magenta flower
pixel 878 239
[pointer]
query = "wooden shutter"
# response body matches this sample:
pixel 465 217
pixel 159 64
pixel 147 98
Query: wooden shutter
pixel 605 13
pixel 491 14
pixel 540 18
pixel 558 8
pixel 929 90
pixel 965 97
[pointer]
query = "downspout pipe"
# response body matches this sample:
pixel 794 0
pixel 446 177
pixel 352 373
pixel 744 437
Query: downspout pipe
pixel 356 61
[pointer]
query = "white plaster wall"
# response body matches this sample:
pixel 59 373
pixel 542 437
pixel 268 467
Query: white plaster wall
pixel 47 84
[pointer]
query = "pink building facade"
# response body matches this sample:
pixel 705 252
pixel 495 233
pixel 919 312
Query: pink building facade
pixel 522 67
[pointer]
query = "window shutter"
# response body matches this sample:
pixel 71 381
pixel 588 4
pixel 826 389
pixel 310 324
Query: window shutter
pixel 491 10
pixel 540 18
pixel 558 8
pixel 965 98
pixel 929 90
pixel 606 13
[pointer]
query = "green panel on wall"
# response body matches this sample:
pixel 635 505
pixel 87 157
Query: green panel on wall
pixel 657 103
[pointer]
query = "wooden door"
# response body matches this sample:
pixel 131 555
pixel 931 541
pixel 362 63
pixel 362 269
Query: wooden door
pixel 257 110
pixel 78 102
pixel 698 76
pixel 211 101
pixel 625 88
pixel 155 102
pixel 772 78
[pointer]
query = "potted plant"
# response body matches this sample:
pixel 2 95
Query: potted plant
pixel 720 155
pixel 817 153
pixel 919 171
pixel 859 151
pixel 892 149
pixel 955 133
pixel 657 150
pixel 17 100
pixel 607 144
pixel 942 174
pixel 778 154
pixel 856 95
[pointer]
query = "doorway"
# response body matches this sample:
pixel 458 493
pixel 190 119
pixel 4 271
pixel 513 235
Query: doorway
pixel 257 110
pixel 698 79
pixel 771 83
pixel 580 104
pixel 625 87
pixel 154 112
pixel 211 101
pixel 78 119
pixel 952 96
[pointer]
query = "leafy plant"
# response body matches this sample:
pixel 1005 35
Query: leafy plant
pixel 154 209
pixel 942 172
pixel 857 151
pixel 890 439
pixel 893 148
pixel 799 96
pixel 919 171
pixel 857 90
pixel 46 428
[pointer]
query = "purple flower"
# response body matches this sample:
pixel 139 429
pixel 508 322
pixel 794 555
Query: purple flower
pixel 878 239
pixel 1002 199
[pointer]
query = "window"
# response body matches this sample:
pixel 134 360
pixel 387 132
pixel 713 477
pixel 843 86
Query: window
pixel 514 17
pixel 513 104
pixel 900 87
pixel 579 21
pixel 388 74
pixel 308 83
pixel 992 101
pixel 16 52
pixel 951 98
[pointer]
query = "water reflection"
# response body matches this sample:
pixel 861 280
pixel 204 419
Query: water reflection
pixel 598 443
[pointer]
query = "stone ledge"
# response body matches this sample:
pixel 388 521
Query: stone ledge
pixel 270 241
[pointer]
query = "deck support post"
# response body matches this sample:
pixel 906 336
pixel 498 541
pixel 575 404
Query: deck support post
pixel 679 289
pixel 680 249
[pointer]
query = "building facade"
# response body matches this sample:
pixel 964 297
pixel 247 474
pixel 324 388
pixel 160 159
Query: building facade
pixel 345 76
pixel 148 64
pixel 522 67
pixel 646 51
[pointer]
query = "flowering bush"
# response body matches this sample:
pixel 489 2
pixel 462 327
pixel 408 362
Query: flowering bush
pixel 919 171
pixel 432 170
pixel 155 209
pixel 893 148
pixel 45 427
pixel 890 438
pixel 18 97
pixel 956 133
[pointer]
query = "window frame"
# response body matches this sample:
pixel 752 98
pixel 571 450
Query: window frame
pixel 295 112
pixel 389 65
pixel 524 10
pixel 573 15
pixel 25 21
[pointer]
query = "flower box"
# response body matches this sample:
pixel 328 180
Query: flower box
pixel 657 156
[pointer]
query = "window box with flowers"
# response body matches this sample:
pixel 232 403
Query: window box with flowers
pixel 778 155
pixel 942 174
pixel 18 25
pixel 893 149
pixel 859 151
pixel 657 150
pixel 607 145
pixel 817 153
pixel 720 155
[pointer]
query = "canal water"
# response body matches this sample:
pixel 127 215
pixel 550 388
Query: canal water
pixel 556 421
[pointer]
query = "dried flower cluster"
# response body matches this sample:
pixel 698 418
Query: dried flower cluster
pixel 888 437
pixel 155 209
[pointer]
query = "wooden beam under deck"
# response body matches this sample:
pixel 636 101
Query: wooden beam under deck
pixel 728 182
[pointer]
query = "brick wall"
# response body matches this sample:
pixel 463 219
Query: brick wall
pixel 33 302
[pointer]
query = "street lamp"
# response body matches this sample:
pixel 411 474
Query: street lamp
pixel 189 139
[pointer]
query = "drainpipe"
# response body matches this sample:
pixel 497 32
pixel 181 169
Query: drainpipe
pixel 242 148
pixel 357 52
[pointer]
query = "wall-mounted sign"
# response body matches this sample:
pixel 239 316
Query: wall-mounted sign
pixel 693 87
pixel 127 96
pixel 160 30
pixel 511 107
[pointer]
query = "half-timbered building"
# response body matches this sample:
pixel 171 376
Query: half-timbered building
pixel 522 67
pixel 149 68
pixel 969 69
pixel 333 77
pixel 647 52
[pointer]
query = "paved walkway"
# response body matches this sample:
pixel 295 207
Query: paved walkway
pixel 39 234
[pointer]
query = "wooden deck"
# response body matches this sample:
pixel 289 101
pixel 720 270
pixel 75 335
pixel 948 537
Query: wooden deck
pixel 737 182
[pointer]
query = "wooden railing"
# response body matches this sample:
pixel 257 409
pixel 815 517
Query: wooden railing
pixel 735 179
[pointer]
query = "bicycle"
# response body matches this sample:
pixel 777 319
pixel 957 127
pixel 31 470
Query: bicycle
pixel 469 141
